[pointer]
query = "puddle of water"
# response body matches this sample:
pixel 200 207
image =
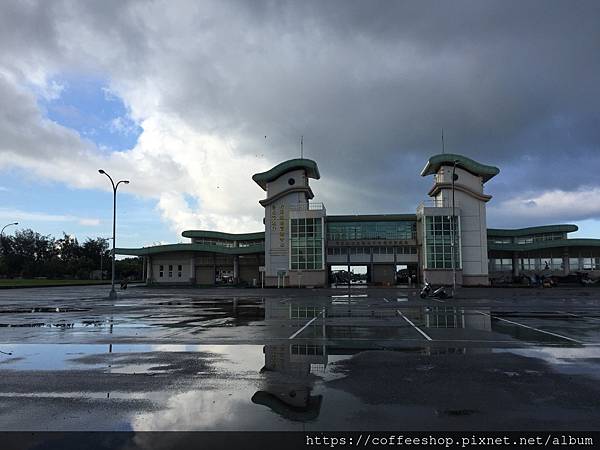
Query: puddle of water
pixel 572 361
pixel 286 385
pixel 43 309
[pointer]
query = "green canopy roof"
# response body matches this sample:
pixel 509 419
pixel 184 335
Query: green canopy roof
pixel 168 248
pixel 560 228
pixel 312 171
pixel 224 236
pixel 436 161
pixel 558 243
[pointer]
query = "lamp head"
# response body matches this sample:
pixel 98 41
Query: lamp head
pixel 16 223
pixel 126 181
pixel 101 171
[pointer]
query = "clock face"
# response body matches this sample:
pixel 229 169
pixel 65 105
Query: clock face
pixel 291 181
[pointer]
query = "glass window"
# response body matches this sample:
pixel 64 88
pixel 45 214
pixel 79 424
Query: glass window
pixel 394 230
pixel 217 242
pixel 161 272
pixel 438 242
pixel 501 264
pixel 574 264
pixel 527 263
pixel 525 240
pixel 306 244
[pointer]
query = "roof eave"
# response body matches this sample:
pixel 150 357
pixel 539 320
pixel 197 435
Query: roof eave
pixel 476 168
pixel 310 166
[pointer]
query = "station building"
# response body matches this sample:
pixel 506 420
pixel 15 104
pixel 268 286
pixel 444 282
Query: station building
pixel 303 246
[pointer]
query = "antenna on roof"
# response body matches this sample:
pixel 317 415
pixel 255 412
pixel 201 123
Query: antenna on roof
pixel 301 147
pixel 443 149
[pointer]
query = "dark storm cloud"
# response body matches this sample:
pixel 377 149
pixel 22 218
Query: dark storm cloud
pixel 369 84
pixel 505 80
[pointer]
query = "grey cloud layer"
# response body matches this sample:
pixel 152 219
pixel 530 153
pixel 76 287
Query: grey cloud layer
pixel 369 84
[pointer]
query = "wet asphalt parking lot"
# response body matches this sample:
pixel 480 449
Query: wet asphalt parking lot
pixel 322 359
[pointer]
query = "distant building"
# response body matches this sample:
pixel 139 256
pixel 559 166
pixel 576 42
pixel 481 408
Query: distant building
pixel 301 244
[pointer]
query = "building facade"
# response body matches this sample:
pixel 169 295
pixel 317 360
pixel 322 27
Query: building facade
pixel 445 241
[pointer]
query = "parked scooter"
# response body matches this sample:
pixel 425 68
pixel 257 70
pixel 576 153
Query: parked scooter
pixel 428 291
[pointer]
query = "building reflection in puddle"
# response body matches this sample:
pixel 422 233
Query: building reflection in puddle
pixel 289 379
pixel 330 313
pixel 325 330
pixel 455 317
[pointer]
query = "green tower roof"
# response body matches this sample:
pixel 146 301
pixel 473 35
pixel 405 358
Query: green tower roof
pixel 312 171
pixel 436 161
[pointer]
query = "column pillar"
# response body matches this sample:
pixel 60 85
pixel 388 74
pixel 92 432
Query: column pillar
pixel 565 259
pixel 149 269
pixel 236 269
pixel 348 262
pixel 214 271
pixel 370 278
pixel 193 270
pixel 515 264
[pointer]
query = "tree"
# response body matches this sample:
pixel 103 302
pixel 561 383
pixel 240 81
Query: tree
pixel 27 252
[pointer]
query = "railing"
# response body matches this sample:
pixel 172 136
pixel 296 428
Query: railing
pixel 309 206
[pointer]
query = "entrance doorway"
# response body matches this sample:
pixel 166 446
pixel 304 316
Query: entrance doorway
pixel 402 275
pixel 406 274
pixel 224 275
pixel 344 276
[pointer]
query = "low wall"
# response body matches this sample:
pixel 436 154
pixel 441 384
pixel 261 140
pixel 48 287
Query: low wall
pixel 442 277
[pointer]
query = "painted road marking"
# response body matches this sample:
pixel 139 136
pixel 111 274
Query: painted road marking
pixel 531 328
pixel 414 326
pixel 305 325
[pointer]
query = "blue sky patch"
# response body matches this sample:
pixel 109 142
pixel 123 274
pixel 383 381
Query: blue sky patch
pixel 86 105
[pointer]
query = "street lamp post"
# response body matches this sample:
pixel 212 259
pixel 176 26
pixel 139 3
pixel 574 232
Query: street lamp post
pixel 7 225
pixel 113 293
pixel 453 232
pixel 2 234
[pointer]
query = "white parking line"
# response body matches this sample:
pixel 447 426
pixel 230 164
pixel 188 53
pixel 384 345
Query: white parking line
pixel 532 328
pixel 414 326
pixel 385 300
pixel 305 325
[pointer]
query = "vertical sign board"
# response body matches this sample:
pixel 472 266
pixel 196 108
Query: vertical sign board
pixel 282 226
pixel 277 241
pixel 273 219
pixel 278 229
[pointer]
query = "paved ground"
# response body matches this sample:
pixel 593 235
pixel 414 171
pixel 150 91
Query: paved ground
pixel 214 359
